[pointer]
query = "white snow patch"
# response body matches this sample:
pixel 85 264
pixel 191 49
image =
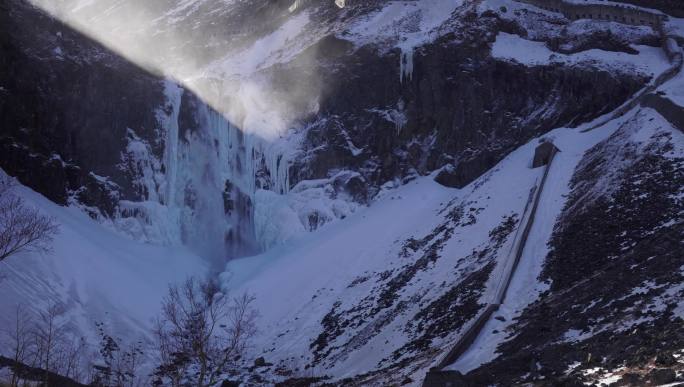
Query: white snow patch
pixel 650 60
pixel 674 89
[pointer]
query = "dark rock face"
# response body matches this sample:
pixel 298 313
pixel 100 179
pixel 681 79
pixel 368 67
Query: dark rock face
pixel 38 375
pixel 661 376
pixel 615 271
pixel 300 382
pixel 56 179
pixel 668 109
pixel 672 7
pixel 66 105
pixel 444 378
pixel 461 108
pixel 449 177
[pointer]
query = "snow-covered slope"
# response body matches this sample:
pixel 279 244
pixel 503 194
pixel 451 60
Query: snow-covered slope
pixel 94 275
pixel 614 268
pixel 525 288
pixel 399 281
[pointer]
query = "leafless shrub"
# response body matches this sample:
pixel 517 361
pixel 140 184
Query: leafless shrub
pixel 20 342
pixel 43 342
pixel 70 358
pixel 49 334
pixel 119 364
pixel 22 228
pixel 201 333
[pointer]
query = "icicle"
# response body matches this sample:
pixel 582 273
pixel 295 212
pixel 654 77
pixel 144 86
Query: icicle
pixel 174 93
pixel 406 63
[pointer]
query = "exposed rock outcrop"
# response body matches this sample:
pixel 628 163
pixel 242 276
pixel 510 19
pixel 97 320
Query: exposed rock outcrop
pixel 462 109
pixel 615 274
pixel 66 107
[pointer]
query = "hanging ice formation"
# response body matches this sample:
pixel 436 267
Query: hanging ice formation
pixel 406 63
pixel 201 192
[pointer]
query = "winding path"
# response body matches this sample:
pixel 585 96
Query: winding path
pixel 436 376
pixel 674 52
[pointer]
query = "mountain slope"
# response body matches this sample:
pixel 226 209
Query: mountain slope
pixel 614 305
pixel 365 173
pixel 388 289
pixel 94 275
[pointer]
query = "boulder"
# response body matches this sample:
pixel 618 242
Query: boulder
pixel 543 154
pixel 665 360
pixel 260 362
pixel 660 376
pixel 439 378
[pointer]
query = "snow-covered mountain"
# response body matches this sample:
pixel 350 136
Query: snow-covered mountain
pixel 375 175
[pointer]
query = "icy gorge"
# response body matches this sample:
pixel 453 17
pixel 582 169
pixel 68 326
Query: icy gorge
pixel 368 192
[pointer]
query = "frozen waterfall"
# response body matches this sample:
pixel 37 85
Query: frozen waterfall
pixel 201 191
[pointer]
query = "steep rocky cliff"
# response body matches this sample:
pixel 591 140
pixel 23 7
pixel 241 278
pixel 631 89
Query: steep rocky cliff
pixel 459 110
pixel 387 147
pixel 66 106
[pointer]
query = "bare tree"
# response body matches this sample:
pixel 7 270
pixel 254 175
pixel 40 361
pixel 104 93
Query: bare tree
pixel 49 334
pixel 201 333
pixel 42 344
pixel 22 228
pixel 19 341
pixel 173 362
pixel 69 357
